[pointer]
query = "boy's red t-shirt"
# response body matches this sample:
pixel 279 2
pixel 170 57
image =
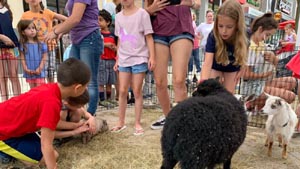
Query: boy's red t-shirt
pixel 108 54
pixel 28 112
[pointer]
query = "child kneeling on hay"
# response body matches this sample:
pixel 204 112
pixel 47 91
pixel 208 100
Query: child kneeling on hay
pixel 39 109
pixel 75 120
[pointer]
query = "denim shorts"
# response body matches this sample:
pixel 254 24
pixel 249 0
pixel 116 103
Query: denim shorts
pixel 167 40
pixel 135 69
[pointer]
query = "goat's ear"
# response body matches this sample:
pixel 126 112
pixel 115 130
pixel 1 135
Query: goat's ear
pixel 217 78
pixel 278 102
pixel 267 95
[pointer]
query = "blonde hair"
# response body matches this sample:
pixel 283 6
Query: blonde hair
pixel 232 9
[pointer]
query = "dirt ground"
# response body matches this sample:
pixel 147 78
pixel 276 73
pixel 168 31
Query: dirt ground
pixel 125 151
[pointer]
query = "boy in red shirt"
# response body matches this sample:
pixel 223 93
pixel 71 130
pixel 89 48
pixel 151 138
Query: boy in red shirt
pixel 39 109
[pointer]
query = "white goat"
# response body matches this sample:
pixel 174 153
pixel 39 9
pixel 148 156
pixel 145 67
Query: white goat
pixel 281 121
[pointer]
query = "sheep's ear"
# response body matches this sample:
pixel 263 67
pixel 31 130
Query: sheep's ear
pixel 267 95
pixel 217 78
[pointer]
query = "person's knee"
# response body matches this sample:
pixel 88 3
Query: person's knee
pixel 178 82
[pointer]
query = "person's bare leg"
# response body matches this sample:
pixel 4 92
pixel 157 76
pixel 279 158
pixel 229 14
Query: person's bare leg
pixel 3 79
pixel 136 85
pixel 230 81
pixel 124 78
pixel 12 67
pixel 160 75
pixel 181 51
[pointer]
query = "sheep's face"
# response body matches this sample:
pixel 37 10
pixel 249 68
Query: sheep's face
pixel 208 87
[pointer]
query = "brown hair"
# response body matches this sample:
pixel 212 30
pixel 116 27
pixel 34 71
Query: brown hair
pixel 266 22
pixel 22 25
pixel 80 100
pixel 232 9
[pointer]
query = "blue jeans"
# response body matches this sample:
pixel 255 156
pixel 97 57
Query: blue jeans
pixel 89 51
pixel 195 58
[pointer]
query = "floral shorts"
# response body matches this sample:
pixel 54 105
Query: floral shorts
pixel 9 53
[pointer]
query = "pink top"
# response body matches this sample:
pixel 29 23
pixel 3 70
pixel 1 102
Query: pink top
pixel 173 20
pixel 131 30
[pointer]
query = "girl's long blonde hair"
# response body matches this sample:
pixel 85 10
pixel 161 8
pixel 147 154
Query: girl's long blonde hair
pixel 232 9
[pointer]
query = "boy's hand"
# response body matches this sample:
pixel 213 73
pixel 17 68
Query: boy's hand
pixel 79 124
pixel 81 129
pixel 91 122
pixel 116 66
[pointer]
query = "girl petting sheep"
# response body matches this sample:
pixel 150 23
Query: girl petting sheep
pixel 229 58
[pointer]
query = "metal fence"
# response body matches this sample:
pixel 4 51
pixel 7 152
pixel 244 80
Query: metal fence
pixel 149 91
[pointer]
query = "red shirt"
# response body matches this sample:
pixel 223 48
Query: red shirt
pixel 108 53
pixel 28 112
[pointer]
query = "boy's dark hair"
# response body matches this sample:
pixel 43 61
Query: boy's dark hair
pixel 80 100
pixel 106 16
pixel 73 71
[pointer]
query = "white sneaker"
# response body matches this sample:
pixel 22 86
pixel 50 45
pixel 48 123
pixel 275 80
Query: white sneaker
pixel 159 124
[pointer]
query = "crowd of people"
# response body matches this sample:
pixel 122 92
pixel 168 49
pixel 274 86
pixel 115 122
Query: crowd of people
pixel 120 45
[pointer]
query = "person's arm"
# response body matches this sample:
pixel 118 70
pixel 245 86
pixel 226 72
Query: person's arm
pixel 69 23
pixel 206 66
pixel 67 125
pixel 194 4
pixel 90 120
pixel 23 61
pixel 69 133
pixel 150 44
pixel 47 137
pixel 60 17
pixel 42 64
pixel 249 74
pixel 6 40
pixel 157 5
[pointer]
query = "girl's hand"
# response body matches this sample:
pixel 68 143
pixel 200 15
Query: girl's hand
pixel 151 63
pixel 38 71
pixel 157 5
pixel 7 41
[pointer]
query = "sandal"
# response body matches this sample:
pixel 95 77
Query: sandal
pixel 138 132
pixel 118 129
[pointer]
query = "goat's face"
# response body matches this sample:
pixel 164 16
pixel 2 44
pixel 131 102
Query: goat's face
pixel 273 105
pixel 208 87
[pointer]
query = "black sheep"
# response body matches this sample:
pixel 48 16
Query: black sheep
pixel 204 130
